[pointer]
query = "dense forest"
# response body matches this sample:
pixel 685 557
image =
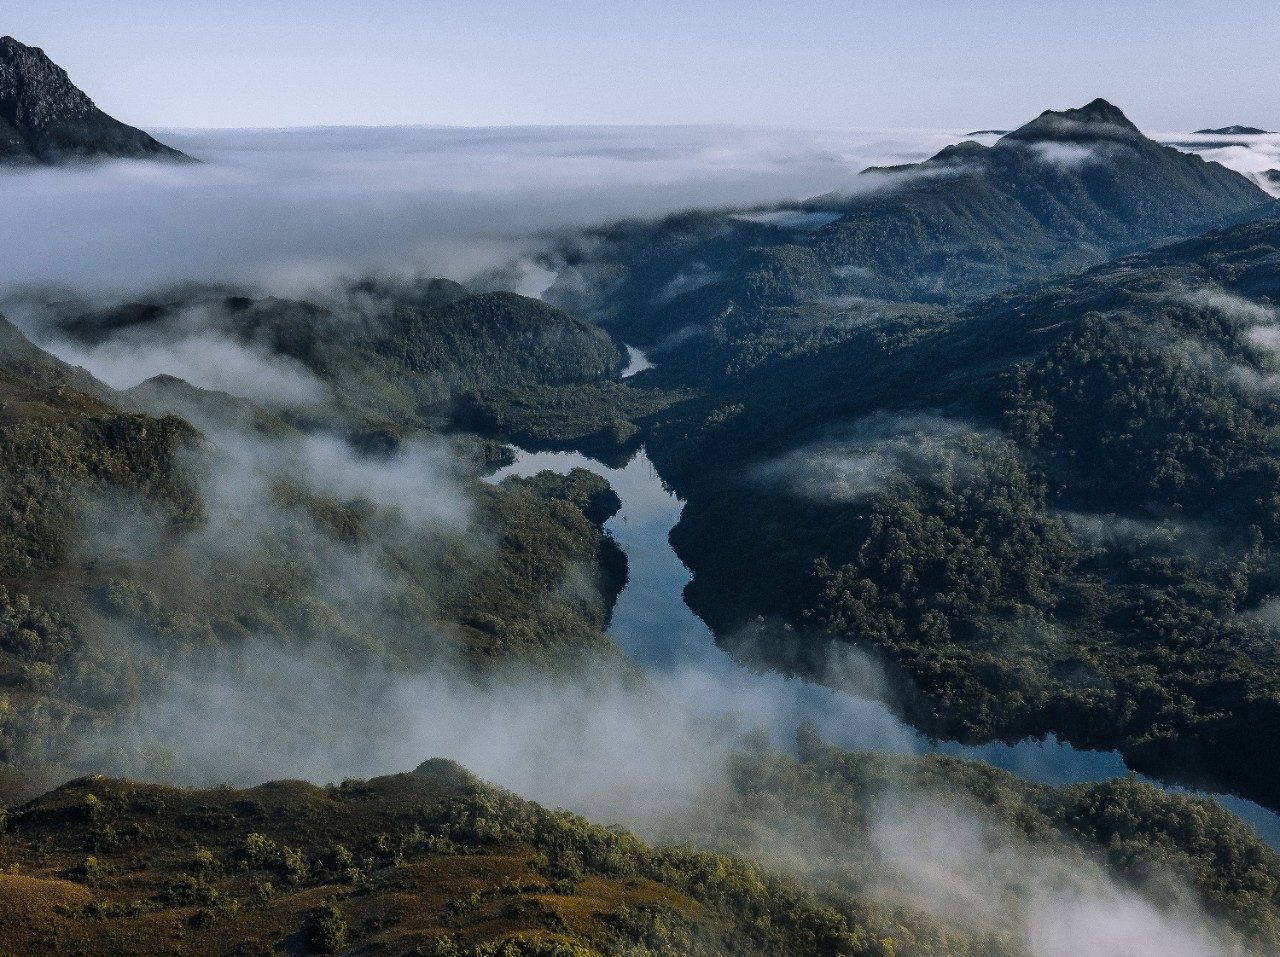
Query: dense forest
pixel 1049 511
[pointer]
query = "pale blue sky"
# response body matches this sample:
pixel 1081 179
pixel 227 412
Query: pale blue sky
pixel 1171 64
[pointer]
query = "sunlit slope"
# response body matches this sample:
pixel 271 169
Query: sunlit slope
pixel 436 862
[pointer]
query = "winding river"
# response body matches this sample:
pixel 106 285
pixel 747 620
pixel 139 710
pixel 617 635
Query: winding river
pixel 654 626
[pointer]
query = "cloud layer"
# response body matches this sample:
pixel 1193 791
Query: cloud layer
pixel 292 209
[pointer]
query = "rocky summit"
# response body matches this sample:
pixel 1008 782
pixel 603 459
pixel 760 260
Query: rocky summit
pixel 45 119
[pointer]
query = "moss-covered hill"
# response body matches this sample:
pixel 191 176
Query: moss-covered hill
pixel 431 862
pixel 435 862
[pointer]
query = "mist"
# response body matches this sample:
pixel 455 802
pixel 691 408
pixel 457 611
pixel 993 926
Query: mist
pixel 610 748
pixel 868 455
pixel 289 210
pixel 1071 156
pixel 953 863
pixel 651 751
pixel 1256 330
pixel 1254 156
pixel 204 358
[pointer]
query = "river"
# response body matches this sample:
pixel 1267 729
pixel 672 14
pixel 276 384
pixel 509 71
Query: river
pixel 654 626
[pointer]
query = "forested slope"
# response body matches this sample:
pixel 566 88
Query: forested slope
pixel 1050 511
pixel 1066 191
pixel 135 550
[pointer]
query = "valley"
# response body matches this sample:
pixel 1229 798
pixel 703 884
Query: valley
pixel 788 547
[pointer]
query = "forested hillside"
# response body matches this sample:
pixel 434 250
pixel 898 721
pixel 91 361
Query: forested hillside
pixel 1049 511
pixel 386 352
pixel 135 550
pixel 1066 191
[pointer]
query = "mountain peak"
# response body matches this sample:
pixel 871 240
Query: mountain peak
pixel 1095 111
pixel 959 152
pixel 45 118
pixel 1096 120
pixel 34 91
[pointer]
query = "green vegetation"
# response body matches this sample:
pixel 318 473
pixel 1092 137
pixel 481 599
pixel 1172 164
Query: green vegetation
pixel 432 862
pixel 435 862
pixel 835 817
pixel 122 563
pixel 381 352
pixel 968 222
pixel 1085 548
pixel 604 419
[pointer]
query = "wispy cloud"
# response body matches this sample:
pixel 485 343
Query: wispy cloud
pixel 1254 156
pixel 863 458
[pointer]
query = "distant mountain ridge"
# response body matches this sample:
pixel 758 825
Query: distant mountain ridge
pixel 1067 191
pixel 1235 131
pixel 45 119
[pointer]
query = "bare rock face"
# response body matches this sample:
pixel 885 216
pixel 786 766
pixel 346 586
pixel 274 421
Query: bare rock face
pixel 46 119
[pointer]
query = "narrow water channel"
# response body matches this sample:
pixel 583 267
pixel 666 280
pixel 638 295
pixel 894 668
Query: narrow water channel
pixel 654 626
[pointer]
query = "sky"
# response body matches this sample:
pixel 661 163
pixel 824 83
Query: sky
pixel 1170 64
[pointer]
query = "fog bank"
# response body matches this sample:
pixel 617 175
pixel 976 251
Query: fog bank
pixel 292 209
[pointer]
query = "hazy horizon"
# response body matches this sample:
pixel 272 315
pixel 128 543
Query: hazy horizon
pixel 866 64
pixel 290 210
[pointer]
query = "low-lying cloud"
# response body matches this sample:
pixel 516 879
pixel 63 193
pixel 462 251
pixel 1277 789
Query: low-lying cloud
pixel 952 863
pixel 861 461
pixel 695 277
pixel 1069 156
pixel 294 209
pixel 204 359
pixel 1252 156
pixel 614 750
pixel 1237 308
pixel 799 220
pixel 1257 327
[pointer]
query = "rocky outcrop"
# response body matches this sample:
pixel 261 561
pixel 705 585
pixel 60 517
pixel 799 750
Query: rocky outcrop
pixel 45 119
